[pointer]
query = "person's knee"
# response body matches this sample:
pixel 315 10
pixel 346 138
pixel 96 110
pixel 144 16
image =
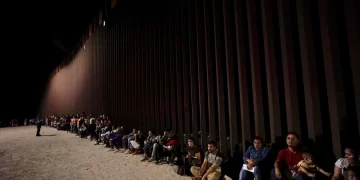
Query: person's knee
pixel 301 177
pixel 194 170
pixel 214 176
pixel 257 171
pixel 272 172
pixel 243 174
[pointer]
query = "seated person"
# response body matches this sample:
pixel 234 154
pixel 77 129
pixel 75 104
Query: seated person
pixel 107 130
pixel 193 156
pixel 126 140
pixel 287 159
pixel 100 126
pixel 82 131
pixel 77 125
pixel 307 166
pixel 92 128
pixel 116 138
pixel 168 147
pixel 148 147
pixel 343 164
pixel 155 149
pixel 81 122
pixel 253 157
pixel 211 167
pixel 112 133
pixel 137 144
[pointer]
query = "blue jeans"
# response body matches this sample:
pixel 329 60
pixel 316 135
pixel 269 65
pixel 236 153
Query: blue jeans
pixel 243 173
pixel 287 176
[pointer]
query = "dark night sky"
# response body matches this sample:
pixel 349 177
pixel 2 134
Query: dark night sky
pixel 29 54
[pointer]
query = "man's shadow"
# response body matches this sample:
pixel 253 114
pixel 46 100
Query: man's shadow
pixel 49 135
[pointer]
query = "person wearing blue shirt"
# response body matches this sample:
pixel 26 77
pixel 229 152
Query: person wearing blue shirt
pixel 253 157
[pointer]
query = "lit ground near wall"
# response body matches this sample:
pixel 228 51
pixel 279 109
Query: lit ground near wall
pixel 58 155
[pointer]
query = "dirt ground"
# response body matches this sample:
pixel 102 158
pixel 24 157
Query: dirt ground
pixel 58 155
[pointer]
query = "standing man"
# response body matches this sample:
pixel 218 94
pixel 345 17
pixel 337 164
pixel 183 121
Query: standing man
pixel 38 127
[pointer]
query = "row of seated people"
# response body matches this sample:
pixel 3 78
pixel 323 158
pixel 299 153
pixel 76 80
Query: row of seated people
pixel 154 148
pixel 293 162
pixel 160 149
pixel 290 163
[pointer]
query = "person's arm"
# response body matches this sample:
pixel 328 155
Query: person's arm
pixel 279 158
pixel 264 155
pixel 213 168
pixel 305 171
pixel 203 167
pixel 247 154
pixel 137 138
pixel 197 156
pixel 322 171
pixel 337 170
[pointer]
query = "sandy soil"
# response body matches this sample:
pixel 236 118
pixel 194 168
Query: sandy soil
pixel 58 155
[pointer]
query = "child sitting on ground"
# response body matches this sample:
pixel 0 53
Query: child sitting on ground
pixel 307 166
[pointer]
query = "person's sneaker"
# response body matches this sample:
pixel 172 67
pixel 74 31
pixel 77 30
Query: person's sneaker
pixel 129 152
pixel 195 178
pixel 123 150
pixel 136 152
pixel 144 159
pixel 151 160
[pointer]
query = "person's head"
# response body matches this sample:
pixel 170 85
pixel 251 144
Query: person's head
pixel 139 133
pixel 307 157
pixel 351 154
pixel 151 133
pixel 292 139
pixel 167 132
pixel 258 142
pixel 353 173
pixel 191 142
pixel 134 130
pixel 212 146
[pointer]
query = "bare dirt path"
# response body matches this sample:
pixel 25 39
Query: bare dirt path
pixel 58 155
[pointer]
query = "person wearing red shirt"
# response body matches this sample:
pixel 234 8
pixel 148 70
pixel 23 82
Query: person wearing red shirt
pixel 287 159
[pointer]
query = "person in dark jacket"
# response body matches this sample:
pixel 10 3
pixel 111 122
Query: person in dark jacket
pixel 38 127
